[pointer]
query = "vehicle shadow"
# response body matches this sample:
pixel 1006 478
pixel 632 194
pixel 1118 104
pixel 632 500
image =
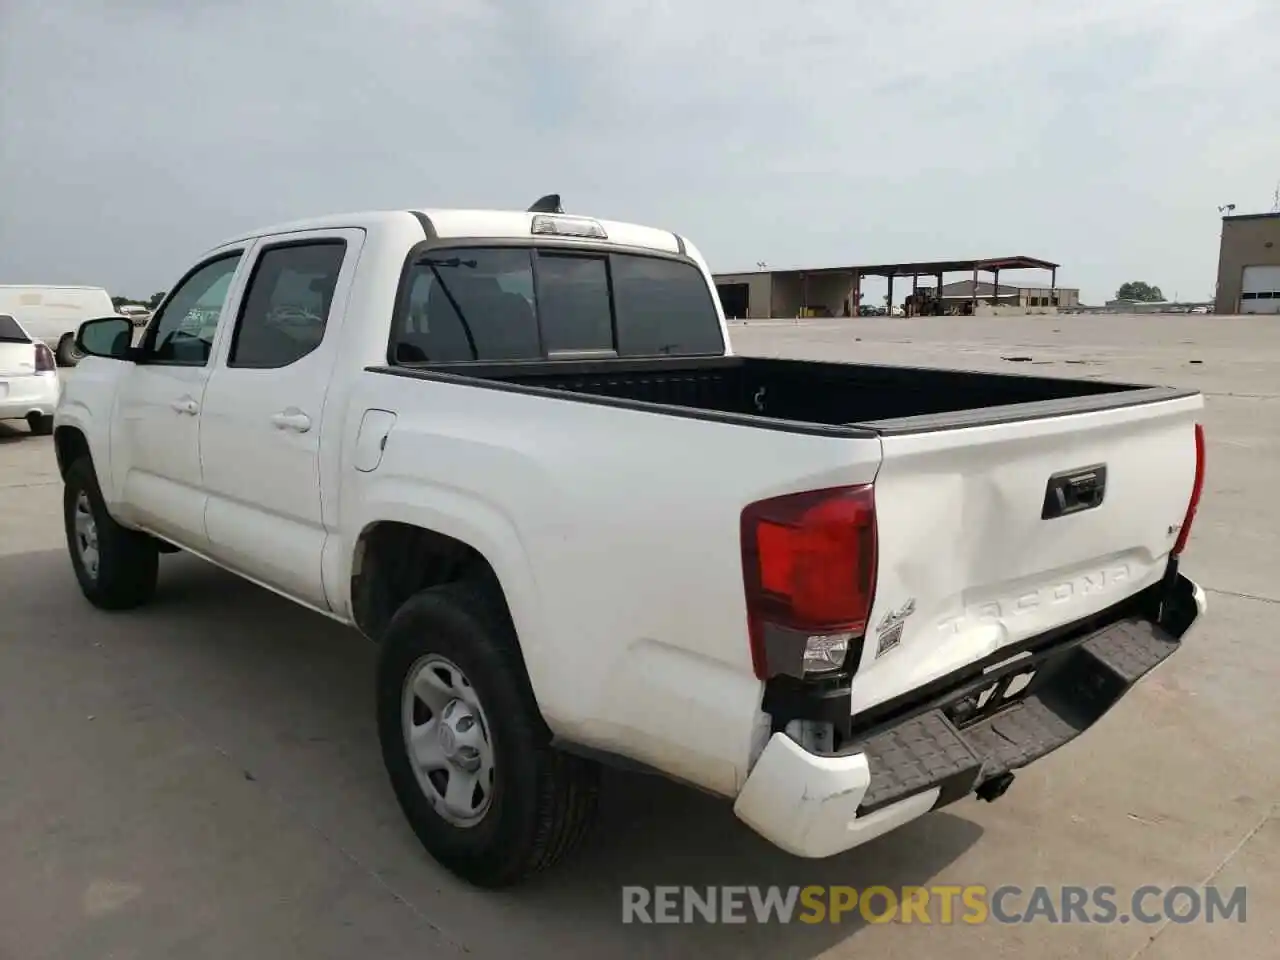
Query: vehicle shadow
pixel 286 697
pixel 12 431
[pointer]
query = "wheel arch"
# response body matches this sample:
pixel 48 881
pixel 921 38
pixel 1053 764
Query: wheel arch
pixel 392 559
pixel 69 445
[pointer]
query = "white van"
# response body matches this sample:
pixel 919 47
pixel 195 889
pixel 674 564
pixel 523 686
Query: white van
pixel 54 314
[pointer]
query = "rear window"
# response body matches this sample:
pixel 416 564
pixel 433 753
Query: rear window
pixel 573 303
pixel 664 308
pixel 518 303
pixel 10 331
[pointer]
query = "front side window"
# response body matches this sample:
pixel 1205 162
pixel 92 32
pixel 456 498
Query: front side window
pixel 182 332
pixel 286 304
pixel 468 304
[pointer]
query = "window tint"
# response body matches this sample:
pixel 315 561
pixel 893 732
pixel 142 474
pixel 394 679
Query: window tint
pixel 10 331
pixel 469 304
pixel 664 308
pixel 573 303
pixel 286 305
pixel 478 303
pixel 182 332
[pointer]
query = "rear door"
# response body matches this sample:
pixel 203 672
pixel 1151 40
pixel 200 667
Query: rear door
pixel 262 411
pixel 993 534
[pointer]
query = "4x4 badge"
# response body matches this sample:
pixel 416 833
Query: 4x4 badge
pixel 889 630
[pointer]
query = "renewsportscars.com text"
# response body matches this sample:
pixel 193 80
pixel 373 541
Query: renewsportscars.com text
pixel 974 904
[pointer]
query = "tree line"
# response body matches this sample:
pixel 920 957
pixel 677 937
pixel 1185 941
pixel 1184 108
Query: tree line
pixel 150 303
pixel 1139 290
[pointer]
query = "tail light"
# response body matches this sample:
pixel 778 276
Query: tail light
pixel 809 568
pixel 45 362
pixel 1197 488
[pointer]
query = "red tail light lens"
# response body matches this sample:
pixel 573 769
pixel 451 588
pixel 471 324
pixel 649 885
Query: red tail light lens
pixel 1197 488
pixel 809 568
pixel 44 359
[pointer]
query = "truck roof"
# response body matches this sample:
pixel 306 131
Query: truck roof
pixel 48 286
pixel 496 224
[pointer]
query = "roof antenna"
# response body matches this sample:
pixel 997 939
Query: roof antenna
pixel 548 204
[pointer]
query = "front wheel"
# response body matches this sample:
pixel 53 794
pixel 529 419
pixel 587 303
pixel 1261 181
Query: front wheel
pixel 466 749
pixel 116 567
pixel 68 353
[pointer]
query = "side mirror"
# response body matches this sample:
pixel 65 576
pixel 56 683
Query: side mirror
pixel 110 337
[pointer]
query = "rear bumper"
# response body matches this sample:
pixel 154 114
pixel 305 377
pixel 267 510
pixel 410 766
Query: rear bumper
pixel 939 751
pixel 24 395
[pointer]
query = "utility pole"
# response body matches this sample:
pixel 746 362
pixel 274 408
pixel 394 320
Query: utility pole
pixel 1224 211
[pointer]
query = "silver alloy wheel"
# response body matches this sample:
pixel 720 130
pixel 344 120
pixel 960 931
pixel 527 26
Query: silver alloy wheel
pixel 86 535
pixel 447 737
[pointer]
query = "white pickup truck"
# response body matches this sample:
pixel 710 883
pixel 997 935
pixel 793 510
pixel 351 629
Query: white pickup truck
pixel 516 450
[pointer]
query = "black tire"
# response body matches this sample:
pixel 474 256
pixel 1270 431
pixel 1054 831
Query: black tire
pixel 543 800
pixel 68 354
pixel 128 561
pixel 40 424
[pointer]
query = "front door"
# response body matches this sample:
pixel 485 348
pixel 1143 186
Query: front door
pixel 155 446
pixel 260 429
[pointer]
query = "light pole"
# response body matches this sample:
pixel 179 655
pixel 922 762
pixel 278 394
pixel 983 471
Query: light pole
pixel 1224 211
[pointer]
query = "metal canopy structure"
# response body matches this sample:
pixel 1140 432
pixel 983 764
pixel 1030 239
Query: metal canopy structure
pixel 930 268
pixel 927 268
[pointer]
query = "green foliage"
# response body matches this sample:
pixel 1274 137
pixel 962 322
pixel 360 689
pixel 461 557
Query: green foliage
pixel 1139 290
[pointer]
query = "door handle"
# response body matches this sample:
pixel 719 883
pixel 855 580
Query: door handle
pixel 186 405
pixel 291 419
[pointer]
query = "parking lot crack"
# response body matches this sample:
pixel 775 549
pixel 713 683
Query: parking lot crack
pixel 1222 865
pixel 1241 596
pixel 350 857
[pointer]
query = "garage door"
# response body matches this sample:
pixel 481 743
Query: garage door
pixel 1260 291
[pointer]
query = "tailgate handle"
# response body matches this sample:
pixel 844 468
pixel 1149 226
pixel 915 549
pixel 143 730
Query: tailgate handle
pixel 1072 491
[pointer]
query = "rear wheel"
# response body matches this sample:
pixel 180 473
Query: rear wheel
pixel 40 424
pixel 466 749
pixel 68 353
pixel 116 567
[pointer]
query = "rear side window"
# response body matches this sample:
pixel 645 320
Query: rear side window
pixel 10 331
pixel 468 304
pixel 286 306
pixel 664 308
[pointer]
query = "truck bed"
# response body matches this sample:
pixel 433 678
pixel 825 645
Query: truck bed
pixel 858 397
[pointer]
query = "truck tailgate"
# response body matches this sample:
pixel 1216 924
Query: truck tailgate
pixel 993 533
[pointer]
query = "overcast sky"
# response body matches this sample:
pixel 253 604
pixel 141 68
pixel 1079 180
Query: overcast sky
pixel 1101 134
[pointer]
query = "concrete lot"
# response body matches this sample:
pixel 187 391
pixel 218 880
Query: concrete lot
pixel 201 778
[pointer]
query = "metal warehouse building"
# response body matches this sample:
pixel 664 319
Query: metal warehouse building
pixel 1249 264
pixel 1007 296
pixel 836 291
